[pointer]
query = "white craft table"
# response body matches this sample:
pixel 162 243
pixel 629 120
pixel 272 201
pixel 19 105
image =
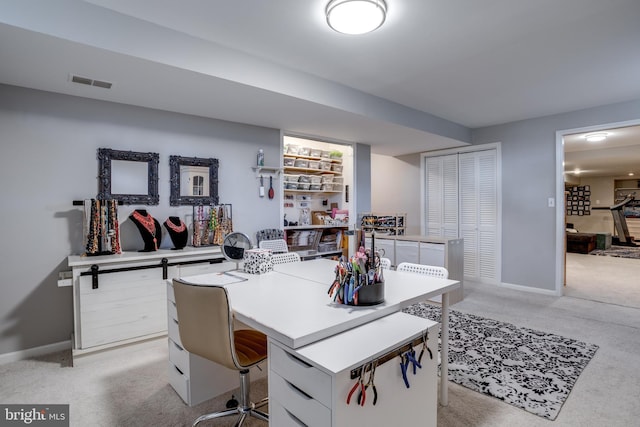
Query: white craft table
pixel 291 305
pixel 400 290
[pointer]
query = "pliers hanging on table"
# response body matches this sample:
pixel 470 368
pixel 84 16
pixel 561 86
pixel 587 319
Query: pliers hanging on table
pixel 360 385
pixel 371 383
pixel 411 356
pixel 404 364
pixel 425 338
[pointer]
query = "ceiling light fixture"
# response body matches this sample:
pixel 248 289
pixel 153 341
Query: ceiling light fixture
pixel 356 16
pixel 596 137
pixel 631 173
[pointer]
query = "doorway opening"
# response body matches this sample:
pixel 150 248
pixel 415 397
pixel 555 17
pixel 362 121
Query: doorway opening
pixel 591 178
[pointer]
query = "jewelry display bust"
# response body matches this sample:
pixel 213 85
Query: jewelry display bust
pixel 177 231
pixel 149 228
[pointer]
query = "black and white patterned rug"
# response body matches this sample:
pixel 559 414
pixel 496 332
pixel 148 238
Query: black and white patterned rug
pixel 619 251
pixel 529 369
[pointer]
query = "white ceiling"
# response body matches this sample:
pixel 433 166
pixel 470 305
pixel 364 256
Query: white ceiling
pixel 617 156
pixel 435 70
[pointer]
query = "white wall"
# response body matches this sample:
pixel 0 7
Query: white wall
pixel 395 187
pixel 49 146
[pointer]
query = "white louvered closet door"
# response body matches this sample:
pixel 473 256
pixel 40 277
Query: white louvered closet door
pixel 478 214
pixel 442 196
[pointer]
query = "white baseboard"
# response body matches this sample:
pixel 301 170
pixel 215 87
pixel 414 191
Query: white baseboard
pixel 34 352
pixel 550 292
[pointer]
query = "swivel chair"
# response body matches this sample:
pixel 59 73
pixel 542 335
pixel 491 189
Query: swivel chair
pixel 205 323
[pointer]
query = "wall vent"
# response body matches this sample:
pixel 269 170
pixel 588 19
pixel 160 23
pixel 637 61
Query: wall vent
pixel 90 82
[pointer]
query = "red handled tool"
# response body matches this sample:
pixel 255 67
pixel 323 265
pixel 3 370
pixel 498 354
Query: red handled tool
pixel 271 192
pixel 356 386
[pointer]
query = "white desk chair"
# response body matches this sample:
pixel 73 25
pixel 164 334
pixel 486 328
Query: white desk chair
pixel 285 258
pixel 427 270
pixel 277 246
pixel 385 263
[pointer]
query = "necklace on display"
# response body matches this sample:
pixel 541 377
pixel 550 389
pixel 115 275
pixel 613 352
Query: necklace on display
pixel 177 228
pixel 148 223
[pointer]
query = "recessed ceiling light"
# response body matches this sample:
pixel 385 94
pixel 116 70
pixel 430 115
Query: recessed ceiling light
pixel 630 173
pixel 356 16
pixel 576 171
pixel 596 136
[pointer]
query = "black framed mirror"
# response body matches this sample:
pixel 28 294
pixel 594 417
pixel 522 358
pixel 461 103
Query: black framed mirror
pixel 128 176
pixel 194 181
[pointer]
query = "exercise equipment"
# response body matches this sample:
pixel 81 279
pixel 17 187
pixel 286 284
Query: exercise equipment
pixel 622 231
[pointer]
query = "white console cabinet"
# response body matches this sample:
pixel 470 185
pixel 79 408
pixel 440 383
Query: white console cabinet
pixel 121 299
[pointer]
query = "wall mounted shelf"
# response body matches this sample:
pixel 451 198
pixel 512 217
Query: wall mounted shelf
pixel 268 170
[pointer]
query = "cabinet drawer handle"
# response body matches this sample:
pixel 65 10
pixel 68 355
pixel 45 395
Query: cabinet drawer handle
pixel 295 359
pixel 294 418
pixel 177 346
pixel 178 369
pixel 298 390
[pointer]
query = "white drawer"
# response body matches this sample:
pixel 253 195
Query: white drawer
pixel 299 404
pixel 179 357
pixel 170 295
pixel 172 311
pixel 173 331
pixel 179 382
pixel 305 377
pixel 281 417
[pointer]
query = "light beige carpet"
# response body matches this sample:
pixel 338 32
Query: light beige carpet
pixel 602 278
pixel 133 390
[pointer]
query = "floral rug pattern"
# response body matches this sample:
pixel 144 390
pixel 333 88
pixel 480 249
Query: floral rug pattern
pixel 526 368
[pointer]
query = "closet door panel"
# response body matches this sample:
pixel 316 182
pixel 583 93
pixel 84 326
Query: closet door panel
pixel 487 215
pixel 478 213
pixel 434 186
pixel 442 196
pixel 462 202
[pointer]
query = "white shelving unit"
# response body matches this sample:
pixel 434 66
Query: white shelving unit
pixel 393 224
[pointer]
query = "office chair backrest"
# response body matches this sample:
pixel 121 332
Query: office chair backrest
pixel 428 270
pixel 277 245
pixel 285 258
pixel 205 322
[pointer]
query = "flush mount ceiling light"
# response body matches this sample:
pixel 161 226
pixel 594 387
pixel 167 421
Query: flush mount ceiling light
pixel 356 16
pixel 596 137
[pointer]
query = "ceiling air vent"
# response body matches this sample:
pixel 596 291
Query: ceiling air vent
pixel 90 82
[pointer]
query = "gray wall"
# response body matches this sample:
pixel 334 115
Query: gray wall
pixel 396 188
pixel 528 179
pixel 49 145
pixel 361 179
